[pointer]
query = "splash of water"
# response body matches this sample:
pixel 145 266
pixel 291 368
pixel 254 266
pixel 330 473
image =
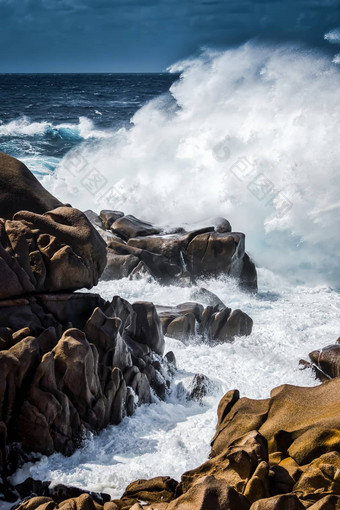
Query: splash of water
pixel 171 437
pixel 250 134
pixel 24 127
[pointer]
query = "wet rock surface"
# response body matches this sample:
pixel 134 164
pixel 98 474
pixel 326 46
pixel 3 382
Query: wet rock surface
pixel 280 453
pixel 74 367
pixel 70 363
pixel 324 362
pixel 213 324
pixel 172 257
pixel 327 360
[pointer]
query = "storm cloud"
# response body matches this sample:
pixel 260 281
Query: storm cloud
pixel 149 35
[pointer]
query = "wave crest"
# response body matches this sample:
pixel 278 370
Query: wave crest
pixel 274 111
pixel 24 127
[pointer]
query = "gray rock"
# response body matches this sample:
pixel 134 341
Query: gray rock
pixel 327 360
pixel 212 323
pixel 148 326
pixel 119 266
pixel 130 226
pixel 200 388
pixel 109 217
pixel 221 225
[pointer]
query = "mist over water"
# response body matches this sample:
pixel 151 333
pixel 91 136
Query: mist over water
pixel 250 134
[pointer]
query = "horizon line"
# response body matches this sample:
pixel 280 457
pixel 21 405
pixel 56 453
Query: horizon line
pixel 88 72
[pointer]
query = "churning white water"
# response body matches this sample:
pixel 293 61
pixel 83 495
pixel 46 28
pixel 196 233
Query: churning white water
pixel 170 437
pixel 251 134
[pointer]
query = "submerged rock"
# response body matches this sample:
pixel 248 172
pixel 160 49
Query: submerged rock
pixel 327 360
pixel 212 324
pixel 324 362
pixel 200 388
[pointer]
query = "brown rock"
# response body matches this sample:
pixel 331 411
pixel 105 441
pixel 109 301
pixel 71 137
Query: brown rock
pixel 242 461
pixel 282 502
pixel 129 226
pixel 327 503
pixel 119 266
pixel 149 330
pixel 44 246
pixel 209 493
pixel 182 328
pixel 109 217
pixel 20 190
pixel 299 427
pixel 56 251
pixel 74 367
pixel 71 228
pixel 239 324
pixel 38 503
pixel 155 264
pixel 320 478
pixel 182 256
pixel 327 360
pixel 153 490
pixel 213 323
pixel 213 253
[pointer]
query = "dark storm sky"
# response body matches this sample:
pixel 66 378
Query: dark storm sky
pixel 148 35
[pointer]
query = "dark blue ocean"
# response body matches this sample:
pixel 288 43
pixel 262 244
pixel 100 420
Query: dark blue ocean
pixel 43 116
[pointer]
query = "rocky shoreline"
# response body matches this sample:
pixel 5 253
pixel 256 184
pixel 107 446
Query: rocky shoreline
pixel 72 362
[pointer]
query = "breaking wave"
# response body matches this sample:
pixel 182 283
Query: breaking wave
pixel 24 127
pixel 251 134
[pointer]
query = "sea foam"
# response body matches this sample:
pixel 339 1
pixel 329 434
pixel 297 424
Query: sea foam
pixel 25 127
pixel 168 438
pixel 250 134
pixel 193 154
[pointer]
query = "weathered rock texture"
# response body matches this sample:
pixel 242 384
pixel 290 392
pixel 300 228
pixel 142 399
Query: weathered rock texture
pixel 214 323
pixel 138 248
pixel 326 361
pixel 21 191
pixel 48 247
pixel 281 453
pixel 70 365
pixel 292 442
pixel 58 250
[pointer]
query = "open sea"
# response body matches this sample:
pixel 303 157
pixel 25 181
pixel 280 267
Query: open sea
pixel 43 116
pixel 250 134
